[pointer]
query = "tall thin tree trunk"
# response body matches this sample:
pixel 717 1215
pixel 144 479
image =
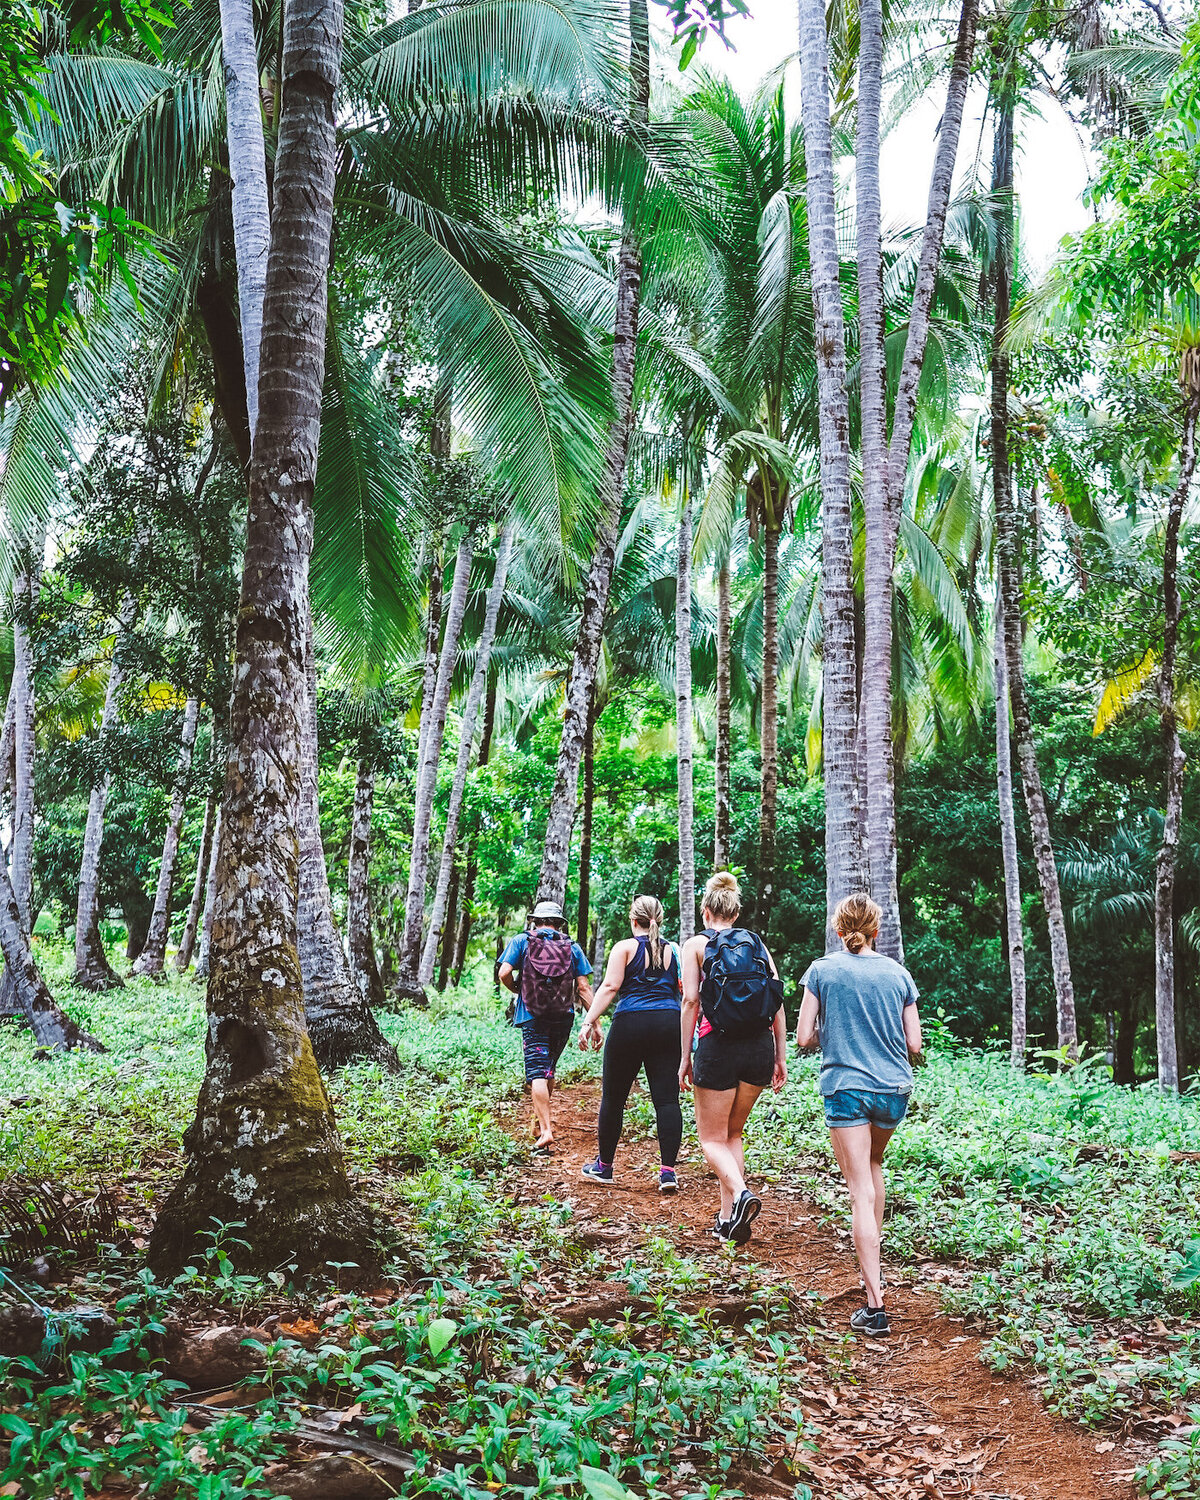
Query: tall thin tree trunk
pixel 92 968
pixel 154 953
pixel 1008 840
pixel 1168 850
pixel 468 890
pixel 20 853
pixel 364 970
pixel 187 943
pixel 845 863
pixel 264 1150
pixel 433 640
pixel 683 712
pixel 411 965
pixel 341 1024
pixel 450 934
pixel 885 467
pixel 248 172
pixel 768 811
pixel 1007 552
pixel 475 696
pixel 722 808
pixel 210 892
pixel 556 851
pixel 583 907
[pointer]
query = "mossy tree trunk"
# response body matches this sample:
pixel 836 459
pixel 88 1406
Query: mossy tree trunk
pixel 263 1149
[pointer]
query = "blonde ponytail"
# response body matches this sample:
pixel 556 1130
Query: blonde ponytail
pixel 647 912
pixel 856 921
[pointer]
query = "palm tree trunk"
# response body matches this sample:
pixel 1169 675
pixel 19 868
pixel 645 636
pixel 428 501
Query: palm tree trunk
pixel 248 171
pixel 844 855
pixel 475 696
pixel 433 638
pixel 683 715
pixel 154 953
pixel 885 468
pixel 1168 850
pixel 722 811
pixel 341 1024
pixel 556 852
pixel 768 807
pixel 20 851
pixel 468 890
pixel 411 964
pixel 364 971
pixel 1007 554
pixel 450 933
pixel 1008 841
pixel 187 943
pixel 210 890
pixel 92 968
pixel 583 907
pixel 264 1149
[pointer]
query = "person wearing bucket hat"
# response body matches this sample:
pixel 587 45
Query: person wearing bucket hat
pixel 548 974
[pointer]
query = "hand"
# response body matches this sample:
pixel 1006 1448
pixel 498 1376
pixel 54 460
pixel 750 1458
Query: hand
pixel 780 1075
pixel 685 1073
pixel 591 1036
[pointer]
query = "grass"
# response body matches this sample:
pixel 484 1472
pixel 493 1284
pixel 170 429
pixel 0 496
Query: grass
pixel 1056 1201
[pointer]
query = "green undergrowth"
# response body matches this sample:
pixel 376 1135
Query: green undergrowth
pixel 1063 1228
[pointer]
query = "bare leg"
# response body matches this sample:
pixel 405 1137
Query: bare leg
pixel 743 1103
pixel 713 1110
pixel 879 1140
pixel 539 1091
pixel 852 1147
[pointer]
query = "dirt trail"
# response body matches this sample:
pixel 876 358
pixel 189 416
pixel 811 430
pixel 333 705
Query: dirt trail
pixel 918 1415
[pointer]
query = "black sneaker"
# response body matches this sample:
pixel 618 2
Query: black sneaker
pixel 746 1209
pixel 667 1181
pixel 598 1171
pixel 720 1228
pixel 872 1321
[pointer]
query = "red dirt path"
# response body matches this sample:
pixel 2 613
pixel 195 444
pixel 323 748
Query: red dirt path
pixel 919 1415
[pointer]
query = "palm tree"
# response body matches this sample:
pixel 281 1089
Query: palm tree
pixel 263 1117
pixel 466 736
pixel 552 880
pixel 683 702
pixel 154 951
pixel 1008 839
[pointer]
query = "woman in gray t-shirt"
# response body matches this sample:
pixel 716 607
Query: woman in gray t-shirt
pixel 861 1007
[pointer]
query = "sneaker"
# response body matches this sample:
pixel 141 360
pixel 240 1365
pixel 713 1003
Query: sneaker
pixel 598 1171
pixel 667 1181
pixel 720 1229
pixel 873 1321
pixel 746 1209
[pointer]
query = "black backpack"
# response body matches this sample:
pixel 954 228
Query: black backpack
pixel 738 993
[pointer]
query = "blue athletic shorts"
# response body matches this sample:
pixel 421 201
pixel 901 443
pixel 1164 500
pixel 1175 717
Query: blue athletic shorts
pixel 862 1107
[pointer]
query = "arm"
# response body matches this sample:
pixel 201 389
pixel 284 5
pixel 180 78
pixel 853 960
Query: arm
pixel 912 1031
pixel 693 957
pixel 806 1026
pixel 509 979
pixel 614 973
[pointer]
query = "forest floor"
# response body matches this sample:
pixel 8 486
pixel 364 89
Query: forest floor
pixel 918 1415
pixel 535 1335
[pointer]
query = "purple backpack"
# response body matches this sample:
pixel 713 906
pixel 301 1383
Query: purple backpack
pixel 548 976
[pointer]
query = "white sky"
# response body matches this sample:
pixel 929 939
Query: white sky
pixel 1051 167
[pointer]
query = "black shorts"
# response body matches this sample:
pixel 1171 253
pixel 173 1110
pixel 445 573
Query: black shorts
pixel 722 1062
pixel 543 1041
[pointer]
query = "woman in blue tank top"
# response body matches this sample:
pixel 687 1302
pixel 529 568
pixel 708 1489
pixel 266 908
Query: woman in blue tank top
pixel 642 975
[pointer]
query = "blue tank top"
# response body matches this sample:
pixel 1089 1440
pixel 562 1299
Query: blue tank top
pixel 649 989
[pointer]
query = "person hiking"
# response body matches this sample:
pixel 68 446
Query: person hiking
pixel 861 1007
pixel 642 975
pixel 547 973
pixel 731 984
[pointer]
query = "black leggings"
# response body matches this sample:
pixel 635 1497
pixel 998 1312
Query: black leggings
pixel 640 1039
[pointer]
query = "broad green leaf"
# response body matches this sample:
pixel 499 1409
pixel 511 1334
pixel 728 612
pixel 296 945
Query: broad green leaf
pixel 601 1485
pixel 441 1331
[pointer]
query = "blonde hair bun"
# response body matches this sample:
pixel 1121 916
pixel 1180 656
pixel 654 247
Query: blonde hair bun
pixel 856 920
pixel 723 896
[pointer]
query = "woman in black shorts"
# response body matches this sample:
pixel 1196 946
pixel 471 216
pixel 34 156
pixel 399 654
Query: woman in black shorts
pixel 728 1073
pixel 642 976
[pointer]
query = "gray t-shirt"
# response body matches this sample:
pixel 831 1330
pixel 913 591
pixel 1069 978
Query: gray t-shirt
pixel 861 1022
